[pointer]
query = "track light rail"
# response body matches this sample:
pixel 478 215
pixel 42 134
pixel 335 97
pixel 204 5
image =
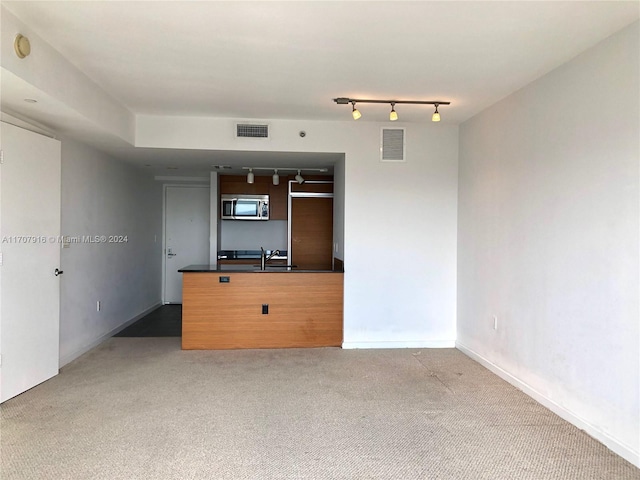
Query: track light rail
pixel 346 101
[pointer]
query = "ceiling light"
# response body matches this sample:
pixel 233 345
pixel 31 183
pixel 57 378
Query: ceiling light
pixel 299 178
pixel 250 177
pixel 355 112
pixel 276 177
pixel 436 116
pixel 21 46
pixel 393 116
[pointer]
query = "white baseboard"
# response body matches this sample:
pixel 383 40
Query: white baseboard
pixel 72 356
pixel 412 344
pixel 620 448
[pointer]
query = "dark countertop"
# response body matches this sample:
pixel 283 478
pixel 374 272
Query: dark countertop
pixel 242 254
pixel 246 268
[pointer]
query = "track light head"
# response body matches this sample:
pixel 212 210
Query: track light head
pixel 436 116
pixel 355 112
pixel 299 178
pixel 276 177
pixel 393 116
pixel 250 177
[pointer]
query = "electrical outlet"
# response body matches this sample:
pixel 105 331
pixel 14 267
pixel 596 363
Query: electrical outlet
pixel 98 306
pixel 495 322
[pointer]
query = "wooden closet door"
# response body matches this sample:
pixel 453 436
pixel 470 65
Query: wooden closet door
pixel 312 233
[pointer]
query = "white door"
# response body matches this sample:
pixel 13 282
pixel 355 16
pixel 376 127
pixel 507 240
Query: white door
pixel 186 234
pixel 29 231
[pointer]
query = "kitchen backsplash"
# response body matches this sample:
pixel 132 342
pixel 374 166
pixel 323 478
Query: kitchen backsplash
pixel 251 235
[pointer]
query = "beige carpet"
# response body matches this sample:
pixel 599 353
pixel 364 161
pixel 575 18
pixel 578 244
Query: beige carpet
pixel 140 408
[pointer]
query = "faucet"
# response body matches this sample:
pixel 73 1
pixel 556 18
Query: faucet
pixel 264 258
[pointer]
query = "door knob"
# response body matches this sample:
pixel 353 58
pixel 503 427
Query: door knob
pixel 171 254
pixel 57 272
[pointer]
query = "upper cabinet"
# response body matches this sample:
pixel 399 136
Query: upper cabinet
pixel 278 194
pixel 238 184
pixel 278 200
pixel 262 185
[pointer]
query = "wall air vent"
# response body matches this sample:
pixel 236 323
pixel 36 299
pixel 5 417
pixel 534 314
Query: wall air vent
pixel 392 145
pixel 248 130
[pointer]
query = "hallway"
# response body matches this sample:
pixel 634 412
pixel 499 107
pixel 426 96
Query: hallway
pixel 165 321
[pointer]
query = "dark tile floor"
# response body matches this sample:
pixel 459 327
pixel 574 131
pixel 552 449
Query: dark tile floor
pixel 165 321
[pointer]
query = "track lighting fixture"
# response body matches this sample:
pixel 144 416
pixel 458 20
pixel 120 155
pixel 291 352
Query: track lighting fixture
pixel 355 112
pixel 436 116
pixel 275 178
pixel 393 116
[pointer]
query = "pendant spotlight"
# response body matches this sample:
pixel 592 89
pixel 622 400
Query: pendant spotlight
pixel 276 177
pixel 299 178
pixel 436 116
pixel 355 112
pixel 250 177
pixel 393 115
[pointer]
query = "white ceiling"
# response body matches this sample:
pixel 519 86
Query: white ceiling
pixel 288 60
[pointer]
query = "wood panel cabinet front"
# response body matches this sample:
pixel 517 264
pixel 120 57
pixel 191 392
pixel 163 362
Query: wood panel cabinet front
pixel 312 233
pixel 262 185
pixel 278 196
pixel 237 184
pixel 304 310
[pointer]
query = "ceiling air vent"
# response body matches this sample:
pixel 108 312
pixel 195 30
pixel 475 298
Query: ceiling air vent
pixel 392 145
pixel 247 130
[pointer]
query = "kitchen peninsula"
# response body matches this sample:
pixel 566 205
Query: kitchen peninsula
pixel 241 306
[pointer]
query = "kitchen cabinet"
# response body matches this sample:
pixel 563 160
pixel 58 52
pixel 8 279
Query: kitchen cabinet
pixel 263 185
pixel 278 200
pixel 238 184
pixel 227 310
pixel 312 232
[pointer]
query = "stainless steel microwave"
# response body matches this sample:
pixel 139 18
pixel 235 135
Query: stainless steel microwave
pixel 244 207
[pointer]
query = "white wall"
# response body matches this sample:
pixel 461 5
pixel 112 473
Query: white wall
pixel 102 196
pixel 214 231
pixel 399 218
pixel 400 241
pixel 338 209
pixel 251 235
pixel 78 98
pixel 549 236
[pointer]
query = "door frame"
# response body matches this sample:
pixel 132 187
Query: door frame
pixel 164 231
pixel 292 194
